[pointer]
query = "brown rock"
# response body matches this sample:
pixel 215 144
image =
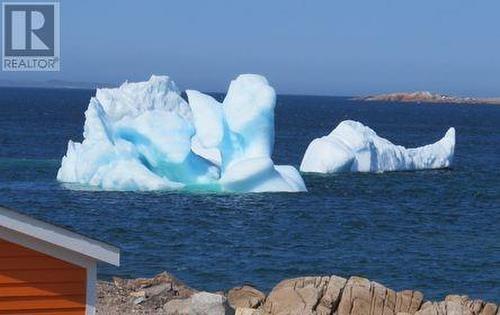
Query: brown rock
pixel 331 297
pixel 361 296
pixel 443 308
pixel 356 298
pixel 248 311
pixel 301 296
pixel 490 309
pixel 245 297
pixel 408 301
pixel 458 305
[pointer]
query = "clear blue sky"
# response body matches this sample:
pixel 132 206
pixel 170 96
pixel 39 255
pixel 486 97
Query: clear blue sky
pixel 315 47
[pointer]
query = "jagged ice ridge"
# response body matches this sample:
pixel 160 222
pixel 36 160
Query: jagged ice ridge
pixel 144 136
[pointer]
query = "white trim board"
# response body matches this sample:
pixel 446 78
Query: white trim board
pixel 91 289
pixel 59 237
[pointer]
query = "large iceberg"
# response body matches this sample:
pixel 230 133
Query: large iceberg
pixel 145 136
pixel 353 147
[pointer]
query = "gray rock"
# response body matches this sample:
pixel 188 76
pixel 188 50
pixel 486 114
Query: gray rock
pixel 201 303
pixel 161 283
pixel 139 300
pixel 178 307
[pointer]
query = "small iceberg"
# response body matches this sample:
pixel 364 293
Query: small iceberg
pixel 354 147
pixel 145 136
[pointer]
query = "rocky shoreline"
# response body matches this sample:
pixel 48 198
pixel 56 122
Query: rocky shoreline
pixel 427 97
pixel 164 294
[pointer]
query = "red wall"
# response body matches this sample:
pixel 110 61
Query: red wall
pixel 34 283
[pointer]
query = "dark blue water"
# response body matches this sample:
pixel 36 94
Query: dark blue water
pixel 436 231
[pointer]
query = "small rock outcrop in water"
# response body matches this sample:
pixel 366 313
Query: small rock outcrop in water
pixel 324 295
pixel 427 97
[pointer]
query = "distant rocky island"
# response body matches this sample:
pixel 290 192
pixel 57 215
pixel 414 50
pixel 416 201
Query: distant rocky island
pixel 428 97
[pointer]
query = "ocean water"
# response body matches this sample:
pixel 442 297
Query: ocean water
pixel 435 231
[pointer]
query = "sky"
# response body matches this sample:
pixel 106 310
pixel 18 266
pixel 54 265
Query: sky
pixel 322 47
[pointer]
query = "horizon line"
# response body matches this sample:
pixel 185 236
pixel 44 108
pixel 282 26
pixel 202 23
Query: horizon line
pixel 83 85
